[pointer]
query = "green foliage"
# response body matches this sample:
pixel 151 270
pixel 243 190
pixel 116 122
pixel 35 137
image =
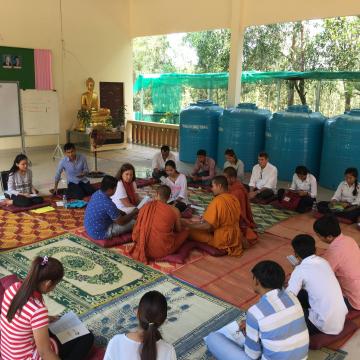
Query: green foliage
pixel 84 116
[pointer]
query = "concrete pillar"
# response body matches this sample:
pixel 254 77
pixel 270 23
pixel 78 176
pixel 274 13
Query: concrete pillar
pixel 236 51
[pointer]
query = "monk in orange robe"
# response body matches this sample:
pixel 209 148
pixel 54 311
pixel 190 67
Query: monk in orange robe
pixel 247 223
pixel 158 231
pixel 220 225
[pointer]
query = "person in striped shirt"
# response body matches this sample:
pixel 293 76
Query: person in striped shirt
pixel 275 327
pixel 24 318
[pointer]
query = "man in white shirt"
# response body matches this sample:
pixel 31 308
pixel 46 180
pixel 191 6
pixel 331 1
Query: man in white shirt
pixel 263 179
pixel 159 160
pixel 304 185
pixel 315 284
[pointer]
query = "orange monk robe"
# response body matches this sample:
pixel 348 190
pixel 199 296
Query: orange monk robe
pixel 246 220
pixel 154 232
pixel 223 214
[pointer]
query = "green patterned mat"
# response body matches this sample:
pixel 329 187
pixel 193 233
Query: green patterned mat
pixel 192 315
pixel 93 275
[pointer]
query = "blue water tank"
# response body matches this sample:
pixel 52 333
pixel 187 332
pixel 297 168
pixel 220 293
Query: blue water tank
pixel 294 137
pixel 199 124
pixel 243 130
pixel 341 147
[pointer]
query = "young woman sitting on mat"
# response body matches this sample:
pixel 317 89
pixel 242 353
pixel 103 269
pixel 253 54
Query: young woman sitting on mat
pixel 125 197
pixel 21 191
pixel 25 320
pixel 178 184
pixel 346 201
pixel 146 343
pixel 233 161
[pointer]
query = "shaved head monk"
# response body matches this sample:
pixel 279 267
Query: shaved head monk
pixel 220 225
pixel 246 220
pixel 158 231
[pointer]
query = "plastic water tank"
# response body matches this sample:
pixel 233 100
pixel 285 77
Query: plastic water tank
pixel 294 137
pixel 199 124
pixel 243 130
pixel 341 147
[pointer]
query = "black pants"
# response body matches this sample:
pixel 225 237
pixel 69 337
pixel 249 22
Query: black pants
pixel 305 204
pixel 80 190
pixel 23 201
pixel 304 301
pixel 76 349
pixel 323 207
pixel 265 194
pixel 181 206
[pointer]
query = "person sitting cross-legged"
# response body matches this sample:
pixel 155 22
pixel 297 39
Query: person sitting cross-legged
pixel 220 224
pixel 159 160
pixel 343 255
pixel 247 223
pixel 204 169
pixel 103 220
pixel 275 327
pixel 158 231
pixel 263 179
pixel 314 283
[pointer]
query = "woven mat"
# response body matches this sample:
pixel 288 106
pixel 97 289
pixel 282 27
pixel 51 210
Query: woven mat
pixel 22 229
pixel 93 275
pixel 192 315
pixel 163 266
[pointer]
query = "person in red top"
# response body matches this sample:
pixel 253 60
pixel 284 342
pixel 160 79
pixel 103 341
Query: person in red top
pixel 343 255
pixel 24 318
pixel 247 223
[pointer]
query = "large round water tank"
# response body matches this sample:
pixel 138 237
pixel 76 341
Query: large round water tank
pixel 243 130
pixel 294 137
pixel 199 124
pixel 341 147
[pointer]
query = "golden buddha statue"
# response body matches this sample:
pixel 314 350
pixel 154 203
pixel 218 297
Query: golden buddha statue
pixel 90 102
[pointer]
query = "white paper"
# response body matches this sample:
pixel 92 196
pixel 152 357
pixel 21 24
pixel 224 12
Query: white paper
pixel 145 200
pixel 231 331
pixel 292 260
pixel 2 197
pixel 68 327
pixel 59 203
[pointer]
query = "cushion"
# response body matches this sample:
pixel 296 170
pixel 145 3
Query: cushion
pixel 145 182
pixel 5 282
pixel 342 220
pixel 323 340
pixel 96 353
pixel 210 249
pixel 187 214
pixel 16 209
pixel 182 253
pixel 106 243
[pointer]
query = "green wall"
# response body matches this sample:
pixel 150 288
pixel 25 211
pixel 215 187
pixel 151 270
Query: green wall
pixel 25 75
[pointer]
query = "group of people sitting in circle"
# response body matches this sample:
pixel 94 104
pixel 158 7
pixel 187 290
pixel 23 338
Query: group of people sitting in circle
pixel 316 299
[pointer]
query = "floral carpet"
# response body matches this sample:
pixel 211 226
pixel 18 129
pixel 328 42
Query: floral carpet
pixel 192 314
pixel 93 275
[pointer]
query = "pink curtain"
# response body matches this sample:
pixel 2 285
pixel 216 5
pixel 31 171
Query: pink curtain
pixel 43 71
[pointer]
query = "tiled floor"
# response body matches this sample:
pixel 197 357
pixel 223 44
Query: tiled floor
pixel 44 167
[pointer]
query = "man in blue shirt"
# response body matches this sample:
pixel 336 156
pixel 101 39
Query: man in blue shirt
pixel 76 169
pixel 275 327
pixel 103 220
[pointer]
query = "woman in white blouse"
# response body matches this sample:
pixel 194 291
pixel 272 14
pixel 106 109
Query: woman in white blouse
pixel 126 197
pixel 305 186
pixel 233 161
pixel 346 200
pixel 178 184
pixel 146 342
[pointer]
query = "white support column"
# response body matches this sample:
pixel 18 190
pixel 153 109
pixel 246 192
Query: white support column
pixel 236 52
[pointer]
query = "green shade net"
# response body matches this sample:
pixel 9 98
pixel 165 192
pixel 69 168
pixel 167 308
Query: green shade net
pixel 166 89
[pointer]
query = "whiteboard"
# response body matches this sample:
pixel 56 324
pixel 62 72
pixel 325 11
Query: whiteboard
pixel 40 112
pixel 10 121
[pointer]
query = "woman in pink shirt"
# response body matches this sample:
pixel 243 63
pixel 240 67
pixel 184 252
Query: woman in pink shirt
pixel 343 254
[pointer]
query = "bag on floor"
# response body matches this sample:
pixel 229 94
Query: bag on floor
pixel 290 201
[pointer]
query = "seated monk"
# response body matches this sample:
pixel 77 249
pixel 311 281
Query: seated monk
pixel 158 231
pixel 220 224
pixel 247 223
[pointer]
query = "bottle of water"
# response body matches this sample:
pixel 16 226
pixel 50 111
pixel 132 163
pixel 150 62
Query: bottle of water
pixel 64 201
